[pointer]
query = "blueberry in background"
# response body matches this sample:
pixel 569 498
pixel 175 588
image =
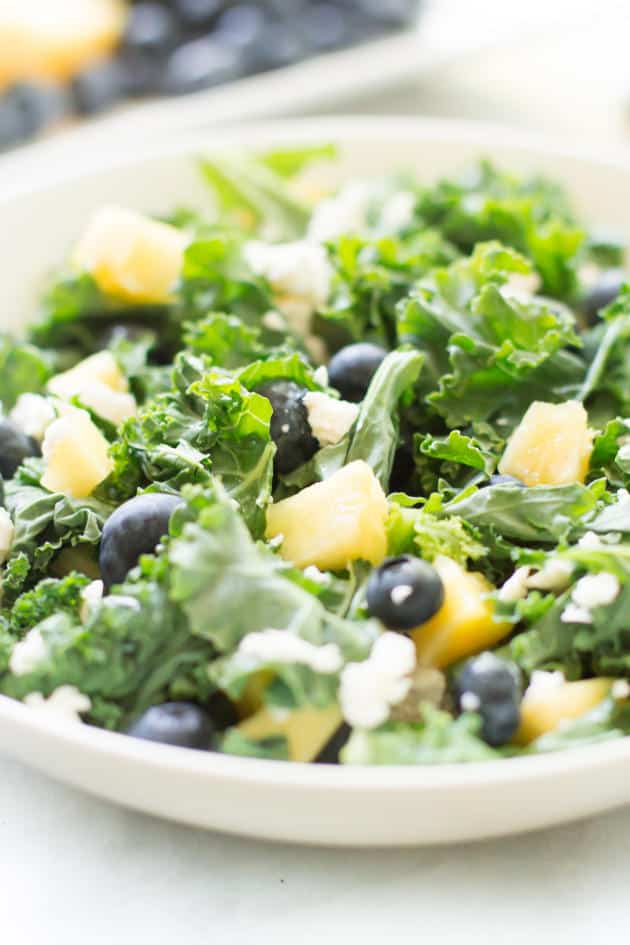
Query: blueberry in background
pixel 98 87
pixel 12 125
pixel 151 27
pixel 198 14
pixel 134 529
pixel 352 368
pixel 199 64
pixel 15 447
pixel 289 427
pixel 183 724
pixel 39 104
pixel 404 592
pixel 602 292
pixel 324 27
pixel 490 686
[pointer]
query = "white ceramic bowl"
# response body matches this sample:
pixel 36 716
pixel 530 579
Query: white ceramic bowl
pixel 385 806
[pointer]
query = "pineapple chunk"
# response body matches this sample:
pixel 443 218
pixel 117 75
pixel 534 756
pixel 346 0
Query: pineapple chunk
pixel 307 730
pixel 131 256
pixel 465 624
pixel 551 446
pixel 542 709
pixel 76 455
pixel 100 385
pixel 252 697
pixel 333 522
pixel 40 39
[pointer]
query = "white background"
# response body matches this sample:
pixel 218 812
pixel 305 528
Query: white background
pixel 75 871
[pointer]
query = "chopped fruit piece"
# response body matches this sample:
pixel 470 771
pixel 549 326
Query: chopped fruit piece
pixel 76 455
pixel 551 446
pixel 465 624
pixel 99 384
pixel 544 707
pixel 333 522
pixel 44 40
pixel 252 697
pixel 131 256
pixel 307 730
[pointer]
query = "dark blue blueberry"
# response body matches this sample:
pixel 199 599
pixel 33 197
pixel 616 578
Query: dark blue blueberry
pixel 604 291
pixel 280 45
pixel 198 14
pixel 142 72
pixel 175 723
pixel 324 26
pixel 15 447
pixel 98 87
pixel 151 27
pixel 134 529
pixel 353 367
pixel 12 125
pixel 503 480
pixel 241 27
pixel 404 592
pixel 490 686
pixel 289 428
pixel 39 103
pixel 199 64
pixel 389 12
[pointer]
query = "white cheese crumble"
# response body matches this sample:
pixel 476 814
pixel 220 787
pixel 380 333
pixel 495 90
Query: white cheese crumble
pixel 515 588
pixel 542 681
pixel 522 286
pixel 590 541
pixel 555 575
pixel 282 646
pixel 312 572
pixel 344 214
pixel 470 701
pixel 596 590
pixel 7 531
pixel 274 321
pixel 370 688
pixel 65 702
pixel 299 274
pixel 91 596
pixel 573 613
pixel 620 689
pixel 33 414
pixel 329 419
pixel 397 212
pixel 320 376
pixel 28 654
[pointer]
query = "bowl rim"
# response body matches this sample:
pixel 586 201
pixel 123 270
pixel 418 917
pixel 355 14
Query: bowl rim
pixel 115 746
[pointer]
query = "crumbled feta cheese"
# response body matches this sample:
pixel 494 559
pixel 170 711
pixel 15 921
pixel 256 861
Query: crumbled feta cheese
pixel 282 646
pixel 7 531
pixel 28 654
pixel 620 689
pixel 515 588
pixel 33 414
pixel 320 376
pixel 313 573
pixel 397 212
pixel 344 214
pixel 522 285
pixel 329 419
pixel 370 688
pixel 66 702
pixel 91 596
pixel 299 274
pixel 555 575
pixel 542 681
pixel 573 613
pixel 274 321
pixel 121 600
pixel 590 541
pixel 470 701
pixel 596 590
pixel 624 453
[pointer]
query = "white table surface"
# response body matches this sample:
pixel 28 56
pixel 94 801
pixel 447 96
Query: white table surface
pixel 79 872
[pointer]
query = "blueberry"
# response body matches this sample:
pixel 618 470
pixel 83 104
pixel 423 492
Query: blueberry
pixel 175 723
pixel 142 71
pixel 15 447
pixel 198 14
pixel 150 27
pixel 198 65
pixel 279 46
pixel 604 291
pixel 490 686
pixel 504 480
pixel 353 367
pixel 12 126
pixel 290 429
pixel 39 104
pixel 241 26
pixel 324 26
pixel 404 592
pixel 134 529
pixel 389 12
pixel 98 87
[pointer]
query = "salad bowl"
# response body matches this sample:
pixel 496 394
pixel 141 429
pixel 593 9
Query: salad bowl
pixel 341 805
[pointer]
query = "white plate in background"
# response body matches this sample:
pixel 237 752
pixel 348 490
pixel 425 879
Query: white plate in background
pixel 317 804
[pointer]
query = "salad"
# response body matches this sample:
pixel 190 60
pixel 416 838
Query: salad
pixel 327 476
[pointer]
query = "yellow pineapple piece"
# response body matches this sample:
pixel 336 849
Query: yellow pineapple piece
pixel 43 39
pixel 307 730
pixel 131 256
pixel 101 367
pixel 333 522
pixel 465 623
pixel 551 446
pixel 543 708
pixel 251 699
pixel 76 455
